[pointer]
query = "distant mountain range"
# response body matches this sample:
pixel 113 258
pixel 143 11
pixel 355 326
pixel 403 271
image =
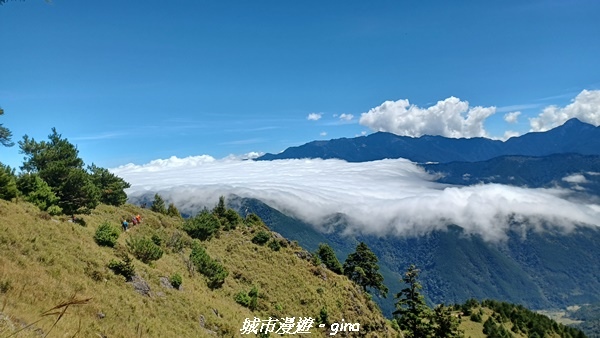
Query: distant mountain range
pixel 581 173
pixel 572 137
pixel 540 269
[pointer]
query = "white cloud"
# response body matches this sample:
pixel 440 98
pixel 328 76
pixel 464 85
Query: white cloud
pixel 585 107
pixel 323 133
pixel 450 117
pixel 314 116
pixel 382 197
pixel 575 178
pixel 512 117
pixel 346 117
pixel 510 133
pixel 247 156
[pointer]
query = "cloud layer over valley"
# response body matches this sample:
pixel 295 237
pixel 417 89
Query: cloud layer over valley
pixel 381 197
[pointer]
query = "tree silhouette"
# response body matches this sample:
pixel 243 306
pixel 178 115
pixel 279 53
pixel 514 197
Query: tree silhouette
pixel 57 162
pixel 328 257
pixel 412 313
pixel 361 267
pixel 5 133
pixel 158 205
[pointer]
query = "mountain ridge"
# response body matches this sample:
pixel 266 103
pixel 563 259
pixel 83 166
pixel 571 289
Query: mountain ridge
pixel 573 136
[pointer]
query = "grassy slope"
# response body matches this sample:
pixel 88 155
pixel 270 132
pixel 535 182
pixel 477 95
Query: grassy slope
pixel 44 263
pixel 473 329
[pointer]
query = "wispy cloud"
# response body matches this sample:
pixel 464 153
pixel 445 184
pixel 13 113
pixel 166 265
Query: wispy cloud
pixel 559 96
pixel 245 141
pixel 314 116
pixel 346 117
pixel 101 136
pixel 239 130
pixel 506 109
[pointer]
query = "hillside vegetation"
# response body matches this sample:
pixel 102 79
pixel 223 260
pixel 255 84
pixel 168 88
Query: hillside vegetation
pixel 47 261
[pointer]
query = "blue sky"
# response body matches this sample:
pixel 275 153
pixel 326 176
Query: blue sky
pixel 132 81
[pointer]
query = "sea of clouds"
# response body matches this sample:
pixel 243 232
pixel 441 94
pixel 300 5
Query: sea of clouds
pixel 387 197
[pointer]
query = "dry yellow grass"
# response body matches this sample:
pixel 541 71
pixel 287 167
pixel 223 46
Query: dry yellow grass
pixel 47 262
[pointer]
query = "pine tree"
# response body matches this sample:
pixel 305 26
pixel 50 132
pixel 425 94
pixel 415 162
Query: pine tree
pixel 412 313
pixel 173 211
pixel 220 208
pixel 51 160
pixel 78 194
pixel 361 267
pixel 203 226
pixel 158 205
pixel 445 324
pixel 328 257
pixel 57 162
pixel 8 185
pixel 36 191
pixel 5 134
pixel 111 187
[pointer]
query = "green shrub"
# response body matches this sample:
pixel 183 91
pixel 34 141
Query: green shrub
pixel 202 226
pixel 328 257
pixel 123 268
pixel 315 260
pixel 199 257
pixel 5 286
pixel 274 245
pixel 144 249
pixel 212 269
pixel 242 298
pixel 231 219
pixel 156 239
pixel 106 235
pixel 476 317
pixel 261 237
pixel 323 316
pixel 249 300
pixel 176 280
pixel 54 210
pixel 216 273
pixel 253 219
